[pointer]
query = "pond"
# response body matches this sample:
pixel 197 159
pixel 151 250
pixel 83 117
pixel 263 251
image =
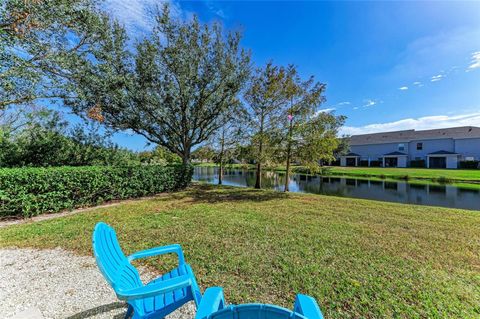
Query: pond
pixel 433 194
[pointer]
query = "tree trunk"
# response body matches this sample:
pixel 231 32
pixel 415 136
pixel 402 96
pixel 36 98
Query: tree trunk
pixel 220 174
pixel 258 181
pixel 289 150
pixel 222 149
pixel 186 157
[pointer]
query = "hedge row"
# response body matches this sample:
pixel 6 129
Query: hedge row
pixel 469 164
pixel 32 191
pixel 418 163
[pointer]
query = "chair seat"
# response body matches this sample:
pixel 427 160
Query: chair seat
pixel 169 301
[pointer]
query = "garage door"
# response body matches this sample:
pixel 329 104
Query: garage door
pixel 438 162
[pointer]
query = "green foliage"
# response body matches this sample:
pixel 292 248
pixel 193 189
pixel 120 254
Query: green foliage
pixel 32 191
pixel 46 45
pixel 86 146
pixel 318 140
pixel 303 98
pixel 266 98
pixel 172 92
pixel 245 153
pixel 204 154
pixel 343 146
pixel 418 163
pixel 159 155
pixel 469 164
pixel 40 138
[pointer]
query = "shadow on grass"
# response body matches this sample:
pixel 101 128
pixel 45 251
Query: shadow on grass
pixel 202 193
pixel 100 310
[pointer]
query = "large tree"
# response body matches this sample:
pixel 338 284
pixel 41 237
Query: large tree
pixel 266 98
pixel 45 45
pixel 319 140
pixel 182 79
pixel 230 134
pixel 303 98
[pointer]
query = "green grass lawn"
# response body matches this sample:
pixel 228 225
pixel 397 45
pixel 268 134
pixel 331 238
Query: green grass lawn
pixel 415 173
pixel 358 258
pixel 450 175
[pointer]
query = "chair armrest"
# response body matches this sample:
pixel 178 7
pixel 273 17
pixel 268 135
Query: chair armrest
pixel 155 289
pixel 175 248
pixel 307 306
pixel 212 301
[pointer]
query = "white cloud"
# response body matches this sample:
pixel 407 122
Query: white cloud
pixel 138 15
pixel 475 62
pixel 421 123
pixel 435 52
pixel 436 78
pixel 213 7
pixel 327 110
pixel 338 105
pixel 417 83
pixel 369 103
pixel 403 88
pixel 133 14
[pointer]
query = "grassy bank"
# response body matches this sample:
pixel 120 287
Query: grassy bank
pixel 410 173
pixel 436 175
pixel 358 258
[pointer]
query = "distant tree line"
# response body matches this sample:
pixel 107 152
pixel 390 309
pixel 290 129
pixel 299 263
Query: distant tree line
pixel 186 85
pixel 41 137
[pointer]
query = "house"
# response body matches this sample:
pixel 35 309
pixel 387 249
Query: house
pixel 438 148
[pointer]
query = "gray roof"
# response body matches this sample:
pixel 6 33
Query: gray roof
pixel 413 135
pixel 395 153
pixel 352 155
pixel 443 153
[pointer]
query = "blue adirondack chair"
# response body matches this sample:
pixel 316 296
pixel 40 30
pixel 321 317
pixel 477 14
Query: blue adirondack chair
pixel 156 299
pixel 213 306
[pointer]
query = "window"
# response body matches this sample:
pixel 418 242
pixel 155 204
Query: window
pixel 419 146
pixel 401 147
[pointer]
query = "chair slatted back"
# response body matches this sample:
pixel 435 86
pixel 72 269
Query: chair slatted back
pixel 112 262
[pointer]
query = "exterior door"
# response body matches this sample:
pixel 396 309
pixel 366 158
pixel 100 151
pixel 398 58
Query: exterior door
pixel 351 161
pixel 438 162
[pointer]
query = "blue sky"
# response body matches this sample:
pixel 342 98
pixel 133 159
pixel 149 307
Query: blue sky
pixel 387 65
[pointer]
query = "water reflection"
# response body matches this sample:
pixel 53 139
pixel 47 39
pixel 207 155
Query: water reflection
pixel 391 191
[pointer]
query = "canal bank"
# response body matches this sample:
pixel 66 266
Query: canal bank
pixel 465 196
pixel 469 176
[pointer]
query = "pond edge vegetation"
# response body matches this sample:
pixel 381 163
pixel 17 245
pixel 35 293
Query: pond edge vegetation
pixel 405 174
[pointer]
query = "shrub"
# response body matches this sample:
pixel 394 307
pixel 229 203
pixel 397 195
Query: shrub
pixel 300 170
pixel 335 163
pixel 444 180
pixel 376 163
pixel 363 163
pixel 469 164
pixel 32 191
pixel 417 163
